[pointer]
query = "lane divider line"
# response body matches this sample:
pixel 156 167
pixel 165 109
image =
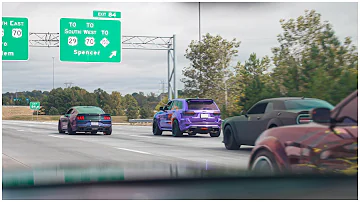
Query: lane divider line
pixel 140 136
pixel 141 152
pixel 56 136
pixel 20 130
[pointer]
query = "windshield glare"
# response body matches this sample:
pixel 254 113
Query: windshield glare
pixel 307 104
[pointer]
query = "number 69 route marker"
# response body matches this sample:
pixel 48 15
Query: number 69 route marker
pixel 90 40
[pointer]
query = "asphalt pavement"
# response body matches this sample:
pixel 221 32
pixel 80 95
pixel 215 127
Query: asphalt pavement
pixel 36 144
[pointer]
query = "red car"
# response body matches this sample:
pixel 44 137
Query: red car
pixel 328 144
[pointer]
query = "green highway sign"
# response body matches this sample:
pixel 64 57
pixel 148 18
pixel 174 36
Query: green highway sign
pixel 15 38
pixel 35 105
pixel 90 40
pixel 106 14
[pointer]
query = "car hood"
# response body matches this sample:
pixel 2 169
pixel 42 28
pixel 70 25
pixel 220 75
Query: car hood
pixel 301 132
pixel 65 174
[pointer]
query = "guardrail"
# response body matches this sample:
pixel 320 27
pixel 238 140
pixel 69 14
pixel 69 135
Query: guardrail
pixel 140 120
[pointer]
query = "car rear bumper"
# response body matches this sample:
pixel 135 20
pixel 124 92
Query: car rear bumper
pixel 87 127
pixel 203 128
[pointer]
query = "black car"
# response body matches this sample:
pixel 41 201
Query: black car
pixel 268 113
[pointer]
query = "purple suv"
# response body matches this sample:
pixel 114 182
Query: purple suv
pixel 188 115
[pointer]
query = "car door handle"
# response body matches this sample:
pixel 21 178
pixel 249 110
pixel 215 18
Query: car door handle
pixel 258 118
pixel 279 114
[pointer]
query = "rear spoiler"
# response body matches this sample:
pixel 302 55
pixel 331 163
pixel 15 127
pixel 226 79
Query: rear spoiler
pixel 84 114
pixel 199 100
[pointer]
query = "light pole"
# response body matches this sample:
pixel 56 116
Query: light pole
pixel 53 73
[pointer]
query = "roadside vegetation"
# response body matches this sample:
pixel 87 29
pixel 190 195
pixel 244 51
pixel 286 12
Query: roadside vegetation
pixel 309 61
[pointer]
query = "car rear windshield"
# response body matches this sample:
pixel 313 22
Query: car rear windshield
pixel 201 105
pixel 307 104
pixel 90 110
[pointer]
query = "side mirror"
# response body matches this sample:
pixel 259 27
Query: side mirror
pixel 161 108
pixel 320 115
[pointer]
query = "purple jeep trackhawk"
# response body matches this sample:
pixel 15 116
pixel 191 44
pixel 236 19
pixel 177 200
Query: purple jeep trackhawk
pixel 188 115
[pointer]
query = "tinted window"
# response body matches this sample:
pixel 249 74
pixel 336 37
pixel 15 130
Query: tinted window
pixel 306 105
pixel 90 110
pixel 201 105
pixel 69 112
pixel 174 106
pixel 180 104
pixel 269 107
pixel 258 109
pixel 168 105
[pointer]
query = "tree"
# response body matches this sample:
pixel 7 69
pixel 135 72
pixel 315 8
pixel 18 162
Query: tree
pixel 311 61
pixel 209 67
pixel 132 108
pixel 162 103
pixel 116 104
pixel 53 111
pixel 146 112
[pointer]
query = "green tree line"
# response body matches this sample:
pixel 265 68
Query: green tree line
pixel 308 61
pixel 57 101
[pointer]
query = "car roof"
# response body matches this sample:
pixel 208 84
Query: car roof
pixel 286 98
pixel 88 109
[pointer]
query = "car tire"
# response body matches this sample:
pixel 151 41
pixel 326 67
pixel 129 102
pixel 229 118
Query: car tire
pixel 230 142
pixel 70 131
pixel 156 129
pixel 108 132
pixel 264 163
pixel 59 128
pixel 176 132
pixel 216 134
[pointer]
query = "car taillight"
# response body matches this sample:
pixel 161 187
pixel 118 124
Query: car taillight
pixel 80 117
pixel 303 119
pixel 188 113
pixel 107 117
pixel 217 113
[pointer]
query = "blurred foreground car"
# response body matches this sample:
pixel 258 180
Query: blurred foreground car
pixel 85 119
pixel 268 113
pixel 165 180
pixel 188 115
pixel 329 144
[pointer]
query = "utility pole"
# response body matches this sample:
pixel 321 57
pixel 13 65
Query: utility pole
pixel 68 84
pixel 53 73
pixel 200 53
pixel 199 24
pixel 163 86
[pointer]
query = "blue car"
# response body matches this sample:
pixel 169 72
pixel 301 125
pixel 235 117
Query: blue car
pixel 85 119
pixel 188 115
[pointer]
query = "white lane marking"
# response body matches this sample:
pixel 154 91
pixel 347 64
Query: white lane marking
pixel 56 136
pixel 140 136
pixel 141 152
pixel 20 130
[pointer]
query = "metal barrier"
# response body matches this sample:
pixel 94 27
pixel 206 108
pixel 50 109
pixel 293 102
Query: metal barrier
pixel 140 120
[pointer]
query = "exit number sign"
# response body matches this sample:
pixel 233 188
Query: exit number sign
pixel 106 14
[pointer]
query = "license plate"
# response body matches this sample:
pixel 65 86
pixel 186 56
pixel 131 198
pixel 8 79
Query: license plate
pixel 204 116
pixel 94 128
pixel 94 123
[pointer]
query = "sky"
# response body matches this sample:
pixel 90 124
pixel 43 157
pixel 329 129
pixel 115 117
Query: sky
pixel 256 25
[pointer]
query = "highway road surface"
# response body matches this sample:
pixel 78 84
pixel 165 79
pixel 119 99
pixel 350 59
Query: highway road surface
pixel 37 144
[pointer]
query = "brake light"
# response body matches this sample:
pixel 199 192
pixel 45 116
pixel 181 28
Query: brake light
pixel 217 113
pixel 189 113
pixel 107 117
pixel 302 120
pixel 80 117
